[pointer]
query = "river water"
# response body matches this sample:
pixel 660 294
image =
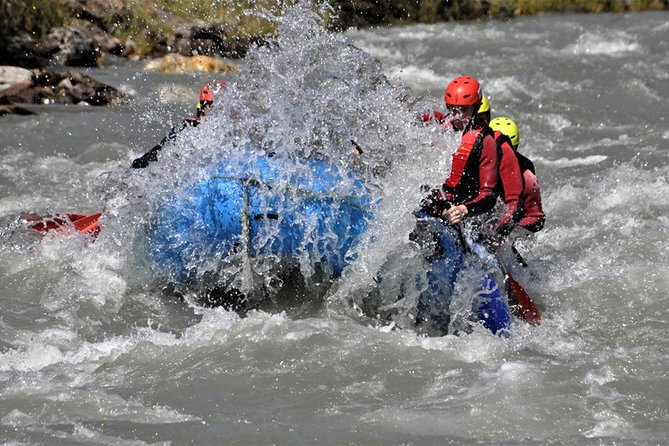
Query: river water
pixel 94 349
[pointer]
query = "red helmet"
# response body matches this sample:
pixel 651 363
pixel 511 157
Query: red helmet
pixel 206 94
pixel 463 90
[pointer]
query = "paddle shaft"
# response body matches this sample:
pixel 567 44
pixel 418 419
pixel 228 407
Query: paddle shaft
pixel 528 311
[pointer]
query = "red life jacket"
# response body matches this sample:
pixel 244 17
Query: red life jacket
pixel 533 214
pixel 462 185
pixel 511 185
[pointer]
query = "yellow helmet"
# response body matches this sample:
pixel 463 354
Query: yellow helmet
pixel 508 128
pixel 484 105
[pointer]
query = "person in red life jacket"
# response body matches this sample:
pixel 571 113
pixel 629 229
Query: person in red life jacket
pixel 533 217
pixel 204 105
pixel 511 184
pixel 471 187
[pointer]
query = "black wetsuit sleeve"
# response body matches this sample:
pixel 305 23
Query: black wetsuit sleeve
pixel 152 155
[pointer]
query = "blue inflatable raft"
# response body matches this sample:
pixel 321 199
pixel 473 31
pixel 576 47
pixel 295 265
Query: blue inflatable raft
pixel 447 262
pixel 289 211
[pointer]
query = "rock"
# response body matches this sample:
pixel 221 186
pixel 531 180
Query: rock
pixel 100 18
pixel 61 87
pixel 175 63
pixel 7 108
pixel 10 75
pixel 104 42
pixel 19 92
pixel 23 52
pixel 73 47
pixel 211 40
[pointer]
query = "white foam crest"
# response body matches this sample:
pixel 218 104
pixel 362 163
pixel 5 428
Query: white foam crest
pixel 15 204
pixel 416 77
pixel 424 32
pixel 114 407
pixel 36 357
pixel 640 90
pixel 91 273
pixel 571 162
pixel 661 27
pixel 505 88
pixel 609 423
pixel 627 186
pixel 91 406
pixel 556 122
pixel 84 434
pixel 361 36
pixel 615 44
pixel 387 54
pixel 51 347
pixel 600 377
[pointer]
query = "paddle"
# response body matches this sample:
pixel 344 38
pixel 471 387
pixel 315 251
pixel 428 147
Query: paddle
pixel 84 223
pixel 521 303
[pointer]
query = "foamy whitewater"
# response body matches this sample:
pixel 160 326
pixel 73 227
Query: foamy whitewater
pixel 98 346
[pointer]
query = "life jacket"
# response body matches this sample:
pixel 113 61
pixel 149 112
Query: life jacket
pixel 525 164
pixel 533 213
pixel 500 139
pixel 511 187
pixel 462 184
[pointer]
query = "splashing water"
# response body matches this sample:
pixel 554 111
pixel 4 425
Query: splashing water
pixel 90 354
pixel 307 96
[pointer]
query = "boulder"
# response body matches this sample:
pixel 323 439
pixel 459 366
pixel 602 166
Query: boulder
pixel 22 51
pixel 100 18
pixel 175 63
pixel 61 87
pixel 7 108
pixel 211 40
pixel 10 75
pixel 73 47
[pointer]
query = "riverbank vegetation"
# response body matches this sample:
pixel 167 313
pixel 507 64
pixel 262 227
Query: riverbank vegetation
pixel 363 13
pixel 31 18
pixel 150 25
pixel 147 22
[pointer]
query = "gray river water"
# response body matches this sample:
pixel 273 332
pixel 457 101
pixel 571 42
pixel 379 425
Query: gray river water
pixel 94 350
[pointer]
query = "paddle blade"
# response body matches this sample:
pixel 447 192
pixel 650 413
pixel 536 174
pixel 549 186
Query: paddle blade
pixel 87 224
pixel 520 300
pixel 84 223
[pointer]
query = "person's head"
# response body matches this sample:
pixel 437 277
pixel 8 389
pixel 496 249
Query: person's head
pixel 463 99
pixel 206 101
pixel 507 127
pixel 484 110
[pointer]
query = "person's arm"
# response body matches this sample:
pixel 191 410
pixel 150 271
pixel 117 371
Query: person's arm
pixel 152 155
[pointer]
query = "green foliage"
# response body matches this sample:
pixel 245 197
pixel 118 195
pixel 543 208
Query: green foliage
pixel 30 17
pixel 529 7
pixel 148 21
pixel 364 12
